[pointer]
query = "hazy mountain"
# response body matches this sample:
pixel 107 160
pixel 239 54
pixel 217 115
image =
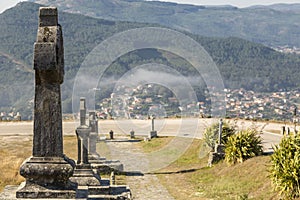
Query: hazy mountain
pixel 275 25
pixel 241 63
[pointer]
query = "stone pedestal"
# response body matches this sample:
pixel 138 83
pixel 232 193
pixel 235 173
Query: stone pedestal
pixel 152 134
pixel 217 155
pixel 47 177
pixel 47 172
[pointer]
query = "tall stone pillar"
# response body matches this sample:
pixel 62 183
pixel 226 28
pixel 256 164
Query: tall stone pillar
pixel 83 173
pixel 47 172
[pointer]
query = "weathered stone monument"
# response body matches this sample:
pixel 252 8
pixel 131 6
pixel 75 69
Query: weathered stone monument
pixel 83 173
pixel 153 132
pixel 219 151
pixel 98 163
pixel 84 176
pixel 47 172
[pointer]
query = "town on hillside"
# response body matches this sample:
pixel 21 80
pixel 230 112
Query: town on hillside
pixel 142 102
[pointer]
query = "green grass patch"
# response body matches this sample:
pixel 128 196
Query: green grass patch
pixel 155 144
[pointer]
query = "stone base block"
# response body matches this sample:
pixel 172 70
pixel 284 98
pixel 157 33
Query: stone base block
pixel 34 191
pixel 215 157
pixel 107 166
pixel 220 148
pixel 152 134
pixel 47 177
pixel 84 176
pixel 107 191
pixel 95 156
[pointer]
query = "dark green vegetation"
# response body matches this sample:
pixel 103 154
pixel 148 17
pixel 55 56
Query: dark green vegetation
pixel 241 63
pixel 285 167
pixel 211 134
pixel 276 25
pixel 242 146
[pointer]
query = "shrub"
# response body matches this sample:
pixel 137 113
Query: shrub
pixel 211 134
pixel 242 146
pixel 285 167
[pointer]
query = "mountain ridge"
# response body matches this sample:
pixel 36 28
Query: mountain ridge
pixel 274 25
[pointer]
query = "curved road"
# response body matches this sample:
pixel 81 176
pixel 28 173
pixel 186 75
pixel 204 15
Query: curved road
pixel 192 128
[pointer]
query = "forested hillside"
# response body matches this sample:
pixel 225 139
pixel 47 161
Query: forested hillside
pixel 275 25
pixel 241 63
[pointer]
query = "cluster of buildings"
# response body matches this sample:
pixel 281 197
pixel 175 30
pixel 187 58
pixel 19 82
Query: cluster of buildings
pixel 288 49
pixel 10 116
pixel 274 106
pixel 141 102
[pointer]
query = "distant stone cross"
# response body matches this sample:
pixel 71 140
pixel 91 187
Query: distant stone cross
pixel 82 132
pixel 220 130
pixel 153 118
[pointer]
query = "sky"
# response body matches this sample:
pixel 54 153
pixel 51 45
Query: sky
pixel 5 4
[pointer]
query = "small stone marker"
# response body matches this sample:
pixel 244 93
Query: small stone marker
pixel 132 134
pixel 283 130
pixel 111 134
pixel 47 172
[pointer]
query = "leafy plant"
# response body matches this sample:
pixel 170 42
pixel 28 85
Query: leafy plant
pixel 242 146
pixel 285 167
pixel 211 134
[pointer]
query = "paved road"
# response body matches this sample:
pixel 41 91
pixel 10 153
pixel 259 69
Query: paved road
pixel 192 128
pixel 143 186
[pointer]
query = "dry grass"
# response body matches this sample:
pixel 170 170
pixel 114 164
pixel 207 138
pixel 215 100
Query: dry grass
pixel 70 146
pixel 15 149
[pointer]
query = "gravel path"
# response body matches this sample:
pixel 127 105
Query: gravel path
pixel 143 186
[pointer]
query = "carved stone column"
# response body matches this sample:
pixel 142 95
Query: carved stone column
pixel 47 172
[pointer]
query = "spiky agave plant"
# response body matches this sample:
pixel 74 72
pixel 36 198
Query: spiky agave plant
pixel 285 167
pixel 242 146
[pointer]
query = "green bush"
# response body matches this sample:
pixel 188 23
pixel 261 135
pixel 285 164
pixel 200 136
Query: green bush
pixel 285 167
pixel 242 146
pixel 211 134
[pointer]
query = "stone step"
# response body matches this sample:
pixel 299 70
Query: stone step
pixel 108 197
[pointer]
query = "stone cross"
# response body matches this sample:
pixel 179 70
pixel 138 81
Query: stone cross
pixel 152 133
pixel 153 117
pixel 48 166
pixel 220 130
pixel 82 133
pixel 82 108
